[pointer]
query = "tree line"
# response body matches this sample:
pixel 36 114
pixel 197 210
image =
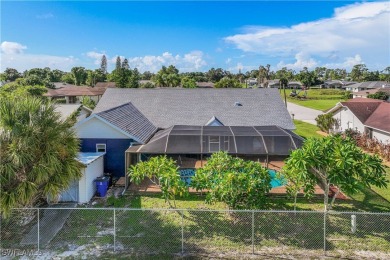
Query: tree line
pixel 126 77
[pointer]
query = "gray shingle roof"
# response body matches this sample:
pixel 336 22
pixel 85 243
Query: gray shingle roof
pixel 128 118
pixel 166 107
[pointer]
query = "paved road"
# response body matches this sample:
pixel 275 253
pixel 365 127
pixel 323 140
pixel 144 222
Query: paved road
pixel 303 113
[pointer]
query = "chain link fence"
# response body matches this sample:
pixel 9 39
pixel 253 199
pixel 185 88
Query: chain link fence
pixel 196 232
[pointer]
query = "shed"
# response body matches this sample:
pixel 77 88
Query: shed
pixel 83 190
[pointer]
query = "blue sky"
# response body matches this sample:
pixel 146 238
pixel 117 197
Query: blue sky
pixel 195 36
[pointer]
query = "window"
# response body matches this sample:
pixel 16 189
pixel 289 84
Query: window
pixel 214 144
pixel 226 143
pixel 100 148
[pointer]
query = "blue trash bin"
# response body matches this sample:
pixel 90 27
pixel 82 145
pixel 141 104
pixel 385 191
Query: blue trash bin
pixel 101 186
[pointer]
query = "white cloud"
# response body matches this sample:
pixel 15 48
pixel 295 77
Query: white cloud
pixel 348 62
pixel 14 57
pixel 301 60
pixel 96 56
pixel 12 47
pixel 192 61
pixel 45 16
pixel 239 66
pixel 23 62
pixel 358 29
pixel 228 60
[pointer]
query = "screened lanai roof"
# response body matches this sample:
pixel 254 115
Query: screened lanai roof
pixel 249 140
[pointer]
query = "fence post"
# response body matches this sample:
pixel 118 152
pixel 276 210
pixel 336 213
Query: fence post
pixel 114 229
pixel 38 230
pixel 182 232
pixel 325 232
pixel 253 232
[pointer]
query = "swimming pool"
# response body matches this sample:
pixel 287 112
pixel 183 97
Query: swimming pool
pixel 186 175
pixel 275 181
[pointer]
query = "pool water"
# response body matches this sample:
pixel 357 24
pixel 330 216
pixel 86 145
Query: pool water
pixel 186 175
pixel 275 181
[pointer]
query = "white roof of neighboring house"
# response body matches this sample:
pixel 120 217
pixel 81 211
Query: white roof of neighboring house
pixel 67 109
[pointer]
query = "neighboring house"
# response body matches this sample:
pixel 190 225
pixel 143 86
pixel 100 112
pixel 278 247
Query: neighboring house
pixel 294 84
pixel 275 83
pixel 67 110
pixel 338 84
pixel 251 82
pixel 73 94
pixel 128 117
pixel 205 84
pixel 366 86
pixel 365 115
pixel 105 85
pixel 365 93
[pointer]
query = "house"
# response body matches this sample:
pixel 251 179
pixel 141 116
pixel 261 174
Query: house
pixel 294 84
pixel 365 93
pixel 365 115
pixel 105 85
pixel 275 83
pixel 337 84
pixel 251 82
pixel 129 117
pixel 73 94
pixel 366 86
pixel 205 84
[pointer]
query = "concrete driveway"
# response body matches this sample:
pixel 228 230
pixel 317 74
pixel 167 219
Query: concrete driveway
pixel 303 113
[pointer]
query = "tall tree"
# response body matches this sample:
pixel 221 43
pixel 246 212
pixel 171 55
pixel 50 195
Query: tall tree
pixel 386 74
pixel 334 160
pixel 284 82
pixel 103 64
pixel 125 64
pixel 118 63
pixel 187 82
pixel 167 77
pixel 227 83
pixel 80 75
pixel 38 152
pixel 11 74
pixel 263 74
pixel 56 75
pixel 358 71
pixel 306 77
pixel 215 75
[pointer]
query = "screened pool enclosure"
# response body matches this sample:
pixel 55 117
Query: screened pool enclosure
pixel 203 140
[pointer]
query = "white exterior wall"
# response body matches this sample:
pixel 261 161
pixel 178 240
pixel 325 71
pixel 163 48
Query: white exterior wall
pixel 94 128
pixel 87 186
pixel 381 136
pixel 348 120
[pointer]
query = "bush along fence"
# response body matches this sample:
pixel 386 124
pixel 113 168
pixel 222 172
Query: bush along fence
pixel 372 145
pixel 196 232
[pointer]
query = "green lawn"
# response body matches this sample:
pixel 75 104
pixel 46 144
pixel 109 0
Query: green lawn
pixel 306 130
pixel 318 104
pixel 320 99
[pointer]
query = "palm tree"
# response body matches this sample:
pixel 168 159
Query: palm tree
pixel 284 82
pixel 38 152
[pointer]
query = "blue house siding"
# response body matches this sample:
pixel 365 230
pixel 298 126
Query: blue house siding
pixel 114 160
